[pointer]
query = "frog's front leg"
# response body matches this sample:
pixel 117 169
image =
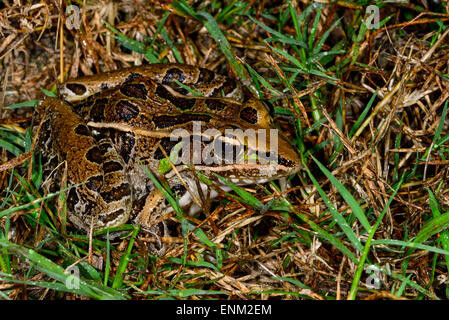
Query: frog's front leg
pixel 150 216
pixel 100 194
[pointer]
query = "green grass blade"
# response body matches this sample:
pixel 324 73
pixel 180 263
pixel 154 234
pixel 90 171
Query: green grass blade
pixel 356 209
pixel 358 273
pixel 341 221
pixel 124 260
pixel 86 287
pixel 214 30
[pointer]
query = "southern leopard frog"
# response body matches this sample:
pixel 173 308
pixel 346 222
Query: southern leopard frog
pixel 109 128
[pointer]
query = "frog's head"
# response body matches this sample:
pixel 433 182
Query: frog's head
pixel 245 148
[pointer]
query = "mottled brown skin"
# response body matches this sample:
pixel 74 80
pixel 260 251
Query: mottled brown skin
pixel 113 122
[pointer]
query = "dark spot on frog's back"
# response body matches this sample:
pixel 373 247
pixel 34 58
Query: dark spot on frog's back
pixel 214 104
pixel 126 110
pixel 167 144
pixel 76 88
pixel 173 73
pixel 133 76
pixel 111 216
pixel 226 88
pixel 134 90
pixel 205 76
pixel 249 114
pixel 82 129
pixel 117 193
pixel 178 102
pixel 165 121
pixel 126 141
pixel 97 110
pixel 72 199
pixel 94 155
pixel 112 166
pixel 95 183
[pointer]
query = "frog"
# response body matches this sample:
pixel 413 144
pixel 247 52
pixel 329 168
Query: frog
pixel 106 134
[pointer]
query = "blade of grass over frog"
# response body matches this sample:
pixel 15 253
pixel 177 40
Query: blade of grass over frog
pixel 360 267
pixel 356 209
pixel 341 221
pixel 281 37
pixel 214 30
pixel 246 197
pixel 413 245
pixel 191 90
pixel 124 260
pixel 166 194
pixel 179 213
pixel 30 103
pixel 86 287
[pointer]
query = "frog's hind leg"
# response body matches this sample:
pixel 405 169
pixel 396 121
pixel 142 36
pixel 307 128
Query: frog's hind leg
pixel 100 194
